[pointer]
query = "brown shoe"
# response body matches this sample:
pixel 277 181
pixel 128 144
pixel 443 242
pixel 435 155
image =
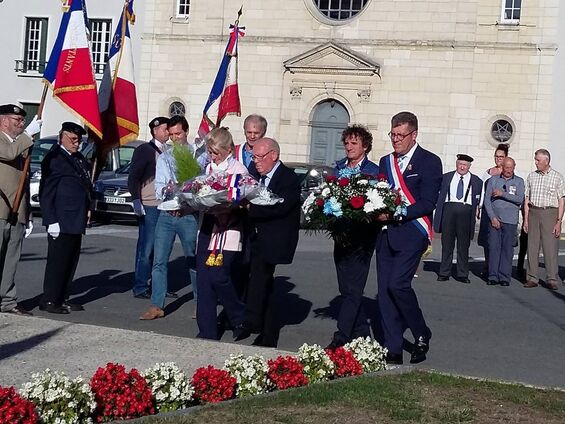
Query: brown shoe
pixel 152 313
pixel 551 285
pixel 530 284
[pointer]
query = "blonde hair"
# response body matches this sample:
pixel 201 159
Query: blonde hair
pixel 220 139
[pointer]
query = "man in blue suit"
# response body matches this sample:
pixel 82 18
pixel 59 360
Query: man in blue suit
pixel 405 237
pixel 455 215
pixel 65 196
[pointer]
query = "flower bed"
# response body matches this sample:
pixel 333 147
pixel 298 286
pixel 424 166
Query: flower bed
pixel 117 394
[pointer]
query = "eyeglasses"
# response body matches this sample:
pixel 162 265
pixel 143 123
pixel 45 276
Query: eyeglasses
pixel 499 156
pixel 399 137
pixel 72 138
pixel 258 158
pixel 18 119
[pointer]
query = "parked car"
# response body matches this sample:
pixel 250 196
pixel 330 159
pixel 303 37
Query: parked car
pixel 118 158
pixel 311 175
pixel 112 198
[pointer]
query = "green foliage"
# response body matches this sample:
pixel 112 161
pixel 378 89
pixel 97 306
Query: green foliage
pixel 187 166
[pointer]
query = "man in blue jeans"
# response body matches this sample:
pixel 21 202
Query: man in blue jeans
pixel 141 184
pixel 170 224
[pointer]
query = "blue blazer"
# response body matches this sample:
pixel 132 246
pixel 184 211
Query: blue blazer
pixel 367 167
pixel 423 177
pixel 64 191
pixel 476 189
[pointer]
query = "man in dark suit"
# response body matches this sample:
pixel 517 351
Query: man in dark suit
pixel 64 194
pixel 274 236
pixel 405 237
pixel 457 208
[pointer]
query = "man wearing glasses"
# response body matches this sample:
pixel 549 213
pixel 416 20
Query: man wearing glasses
pixel 65 197
pixel 14 145
pixel 406 235
pixel 274 236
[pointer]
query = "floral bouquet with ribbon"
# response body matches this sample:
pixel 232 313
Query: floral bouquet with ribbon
pixel 343 204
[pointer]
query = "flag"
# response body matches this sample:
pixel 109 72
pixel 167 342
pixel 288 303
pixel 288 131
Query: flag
pixel 224 96
pixel 69 71
pixel 118 100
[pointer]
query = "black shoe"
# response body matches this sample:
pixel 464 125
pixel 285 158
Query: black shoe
pixel 421 347
pixel 172 295
pixel 264 341
pixel 73 306
pixel 492 283
pixel 443 278
pixel 504 283
pixel 241 332
pixel 334 344
pixel 464 280
pixel 53 308
pixel 143 295
pixel 394 358
pixel 19 311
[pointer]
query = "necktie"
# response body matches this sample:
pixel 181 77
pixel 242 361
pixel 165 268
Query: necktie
pixel 83 171
pixel 263 180
pixel 401 160
pixel 459 193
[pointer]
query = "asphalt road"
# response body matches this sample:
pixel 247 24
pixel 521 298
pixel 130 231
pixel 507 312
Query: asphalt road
pixel 507 333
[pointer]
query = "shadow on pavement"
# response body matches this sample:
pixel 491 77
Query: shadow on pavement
pixel 9 349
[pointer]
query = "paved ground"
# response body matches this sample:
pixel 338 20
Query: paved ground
pixel 507 333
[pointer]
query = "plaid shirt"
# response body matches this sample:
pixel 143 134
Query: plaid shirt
pixel 545 189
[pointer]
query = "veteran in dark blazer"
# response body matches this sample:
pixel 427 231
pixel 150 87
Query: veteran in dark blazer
pixel 65 196
pixel 14 145
pixel 274 236
pixel 405 237
pixel 456 211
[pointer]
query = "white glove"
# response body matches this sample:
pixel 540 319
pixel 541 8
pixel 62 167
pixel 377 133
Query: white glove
pixel 53 230
pixel 34 126
pixel 138 208
pixel 28 229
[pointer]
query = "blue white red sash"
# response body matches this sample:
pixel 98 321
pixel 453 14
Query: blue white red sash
pixel 238 154
pixel 423 223
pixel 233 187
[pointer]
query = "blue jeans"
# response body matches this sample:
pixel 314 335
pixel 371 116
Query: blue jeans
pixel 144 250
pixel 501 252
pixel 168 227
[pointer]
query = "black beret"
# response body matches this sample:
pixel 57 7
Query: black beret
pixel 12 110
pixel 462 156
pixel 73 128
pixel 160 120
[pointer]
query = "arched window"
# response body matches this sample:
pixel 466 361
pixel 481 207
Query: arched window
pixel 340 10
pixel 177 108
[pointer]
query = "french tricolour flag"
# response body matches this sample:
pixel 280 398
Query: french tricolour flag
pixel 118 99
pixel 69 71
pixel 224 96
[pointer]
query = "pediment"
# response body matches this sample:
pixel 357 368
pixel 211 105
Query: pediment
pixel 333 59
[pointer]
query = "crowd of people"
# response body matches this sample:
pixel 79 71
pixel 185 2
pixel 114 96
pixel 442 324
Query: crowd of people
pixel 254 238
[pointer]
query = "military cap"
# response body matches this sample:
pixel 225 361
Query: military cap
pixel 160 120
pixel 12 110
pixel 73 128
pixel 462 156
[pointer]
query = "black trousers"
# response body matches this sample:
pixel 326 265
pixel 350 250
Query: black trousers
pixel 456 218
pixel 62 259
pixel 259 313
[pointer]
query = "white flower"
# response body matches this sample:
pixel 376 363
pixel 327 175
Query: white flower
pixel 362 182
pixel 370 354
pixel 374 202
pixel 170 386
pixel 326 192
pixel 308 203
pixel 383 184
pixel 251 374
pixel 317 364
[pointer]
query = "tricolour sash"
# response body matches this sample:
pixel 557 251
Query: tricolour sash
pixel 423 224
pixel 238 154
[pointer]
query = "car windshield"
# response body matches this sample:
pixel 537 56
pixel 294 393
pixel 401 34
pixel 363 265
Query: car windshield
pixel 40 149
pixel 124 169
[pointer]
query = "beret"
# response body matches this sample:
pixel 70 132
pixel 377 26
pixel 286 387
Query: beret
pixel 12 110
pixel 462 156
pixel 160 120
pixel 73 128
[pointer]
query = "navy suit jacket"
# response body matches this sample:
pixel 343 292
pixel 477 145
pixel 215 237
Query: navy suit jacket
pixel 423 178
pixel 64 191
pixel 476 189
pixel 368 167
pixel 274 229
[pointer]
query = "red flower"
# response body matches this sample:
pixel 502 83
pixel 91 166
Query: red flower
pixel 14 409
pixel 382 177
pixel 217 186
pixel 286 372
pixel 397 200
pixel 120 395
pixel 343 181
pixel 345 362
pixel 357 202
pixel 331 179
pixel 320 202
pixel 213 384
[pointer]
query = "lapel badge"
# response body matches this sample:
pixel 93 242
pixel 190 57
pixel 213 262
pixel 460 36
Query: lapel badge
pixel 409 167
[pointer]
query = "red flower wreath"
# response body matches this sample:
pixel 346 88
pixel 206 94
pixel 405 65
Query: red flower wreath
pixel 286 372
pixel 345 362
pixel 14 409
pixel 120 395
pixel 213 385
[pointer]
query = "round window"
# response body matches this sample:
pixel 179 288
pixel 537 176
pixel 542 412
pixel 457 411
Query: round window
pixel 177 108
pixel 501 130
pixel 339 10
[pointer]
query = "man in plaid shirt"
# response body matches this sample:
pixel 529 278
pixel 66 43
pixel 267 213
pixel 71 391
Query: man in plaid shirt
pixel 544 206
